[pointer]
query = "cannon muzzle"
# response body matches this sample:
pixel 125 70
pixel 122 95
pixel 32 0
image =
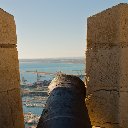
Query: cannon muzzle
pixel 65 107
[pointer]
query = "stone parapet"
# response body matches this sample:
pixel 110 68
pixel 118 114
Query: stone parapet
pixel 107 67
pixel 11 113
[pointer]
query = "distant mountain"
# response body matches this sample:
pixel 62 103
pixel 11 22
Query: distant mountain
pixel 54 60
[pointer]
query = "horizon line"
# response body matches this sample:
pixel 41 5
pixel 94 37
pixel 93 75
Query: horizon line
pixel 51 58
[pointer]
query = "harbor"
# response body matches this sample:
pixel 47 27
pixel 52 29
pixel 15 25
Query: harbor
pixel 33 100
pixel 35 78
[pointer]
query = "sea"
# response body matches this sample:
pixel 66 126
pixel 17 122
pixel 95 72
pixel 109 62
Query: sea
pixel 29 67
pixel 49 67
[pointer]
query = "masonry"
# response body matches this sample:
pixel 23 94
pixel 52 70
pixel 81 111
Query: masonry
pixel 107 67
pixel 11 114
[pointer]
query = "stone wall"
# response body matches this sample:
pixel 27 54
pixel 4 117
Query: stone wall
pixel 11 114
pixel 107 67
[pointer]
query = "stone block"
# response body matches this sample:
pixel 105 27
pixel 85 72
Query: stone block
pixel 9 68
pixel 5 111
pixel 103 108
pixel 123 107
pixel 107 67
pixel 7 28
pixel 103 69
pixel 108 28
pixel 16 108
pixel 11 114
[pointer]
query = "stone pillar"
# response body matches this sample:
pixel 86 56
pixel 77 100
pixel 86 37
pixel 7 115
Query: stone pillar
pixel 107 67
pixel 11 114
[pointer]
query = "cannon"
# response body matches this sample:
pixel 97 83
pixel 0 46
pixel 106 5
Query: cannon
pixel 65 106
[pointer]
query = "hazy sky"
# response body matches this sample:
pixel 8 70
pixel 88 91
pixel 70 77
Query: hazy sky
pixel 53 28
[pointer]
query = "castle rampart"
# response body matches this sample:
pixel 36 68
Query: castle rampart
pixel 11 114
pixel 107 67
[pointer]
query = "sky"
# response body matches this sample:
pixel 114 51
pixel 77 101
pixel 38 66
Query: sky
pixel 53 28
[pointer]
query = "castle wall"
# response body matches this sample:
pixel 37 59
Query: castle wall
pixel 11 114
pixel 107 67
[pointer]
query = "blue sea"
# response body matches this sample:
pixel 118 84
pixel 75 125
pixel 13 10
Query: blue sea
pixel 29 67
pixel 68 66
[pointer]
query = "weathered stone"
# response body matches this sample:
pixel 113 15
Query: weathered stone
pixel 102 69
pixel 102 107
pixel 108 28
pixel 5 111
pixel 16 108
pixel 9 69
pixel 11 113
pixel 7 28
pixel 107 67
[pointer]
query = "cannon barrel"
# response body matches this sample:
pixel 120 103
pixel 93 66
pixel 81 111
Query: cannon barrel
pixel 65 106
